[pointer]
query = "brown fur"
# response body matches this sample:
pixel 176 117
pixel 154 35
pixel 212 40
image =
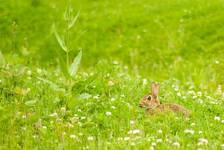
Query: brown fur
pixel 153 105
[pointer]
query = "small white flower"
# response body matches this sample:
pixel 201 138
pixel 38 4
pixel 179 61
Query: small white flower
pixel 190 131
pixel 135 131
pixel 126 138
pixel 110 83
pixel 144 81
pixel 153 144
pixel 199 93
pixel 90 138
pixel 222 121
pixel 53 114
pixel 108 113
pixel 202 141
pixel 132 122
pixel 115 62
pixel 96 97
pixel 217 118
pixel 83 118
pixel 112 99
pixel 113 107
pixel 160 131
pixel 176 144
pixel 72 136
pixel 29 72
pixel 193 124
pixel 200 132
pixel 178 94
pixel 159 140
pixel 216 62
pixel 222 146
pixel 151 148
pixel 44 127
pixel 79 110
pixel 194 97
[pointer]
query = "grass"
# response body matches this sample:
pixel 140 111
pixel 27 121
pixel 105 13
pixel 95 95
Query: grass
pixel 126 45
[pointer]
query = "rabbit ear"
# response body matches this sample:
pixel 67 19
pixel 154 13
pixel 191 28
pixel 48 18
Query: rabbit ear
pixel 155 89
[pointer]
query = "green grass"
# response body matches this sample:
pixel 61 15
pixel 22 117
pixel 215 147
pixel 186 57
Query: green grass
pixel 126 45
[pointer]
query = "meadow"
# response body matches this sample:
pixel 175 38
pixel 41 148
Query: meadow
pixel 119 47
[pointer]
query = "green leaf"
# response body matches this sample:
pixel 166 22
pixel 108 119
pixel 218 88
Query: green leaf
pixel 2 59
pixel 75 65
pixel 61 41
pixel 71 24
pixel 30 103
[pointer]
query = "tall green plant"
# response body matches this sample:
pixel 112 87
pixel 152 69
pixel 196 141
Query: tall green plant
pixel 68 69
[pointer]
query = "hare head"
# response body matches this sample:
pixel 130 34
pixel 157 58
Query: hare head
pixel 151 100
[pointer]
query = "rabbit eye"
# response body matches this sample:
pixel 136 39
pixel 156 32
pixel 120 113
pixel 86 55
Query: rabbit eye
pixel 149 97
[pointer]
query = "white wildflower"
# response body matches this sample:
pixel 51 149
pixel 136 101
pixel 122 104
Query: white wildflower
pixel 144 81
pixel 153 144
pixel 96 97
pixel 108 113
pixel 222 146
pixel 135 131
pixel 113 107
pixel 110 83
pixel 176 144
pixel 200 132
pixel 160 131
pixel 72 136
pixel 216 62
pixel 192 124
pixel 178 94
pixel 123 96
pixel 90 138
pixel 53 114
pixel 202 141
pixel 112 99
pixel 83 118
pixel 217 118
pixel 126 138
pixel 222 121
pixel 132 122
pixel 190 131
pixel 159 140
pixel 151 148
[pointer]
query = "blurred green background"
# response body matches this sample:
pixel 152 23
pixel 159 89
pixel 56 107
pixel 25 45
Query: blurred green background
pixel 183 39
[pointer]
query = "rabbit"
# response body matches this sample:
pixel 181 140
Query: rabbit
pixel 152 104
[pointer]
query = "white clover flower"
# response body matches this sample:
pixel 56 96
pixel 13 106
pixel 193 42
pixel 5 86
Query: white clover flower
pixel 113 107
pixel 83 118
pixel 202 141
pixel 216 62
pixel 135 131
pixel 160 131
pixel 29 72
pixel 90 138
pixel 189 131
pixel 96 97
pixel 144 81
pixel 132 122
pixel 110 83
pixel 222 146
pixel 159 140
pixel 153 144
pixel 217 118
pixel 176 144
pixel 126 138
pixel 108 113
pixel 53 114
pixel 199 93
pixel 72 136
pixel 112 99
pixel 192 124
